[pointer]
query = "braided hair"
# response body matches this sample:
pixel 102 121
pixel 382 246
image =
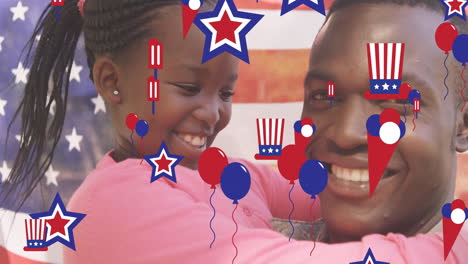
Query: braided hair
pixel 109 26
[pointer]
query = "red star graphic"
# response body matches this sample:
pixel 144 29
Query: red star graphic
pixel 225 28
pixel 455 5
pixel 57 224
pixel 163 163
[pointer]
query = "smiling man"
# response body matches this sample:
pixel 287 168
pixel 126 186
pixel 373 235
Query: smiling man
pixel 420 177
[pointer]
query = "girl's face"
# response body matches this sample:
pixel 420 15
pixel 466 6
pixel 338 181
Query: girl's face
pixel 195 99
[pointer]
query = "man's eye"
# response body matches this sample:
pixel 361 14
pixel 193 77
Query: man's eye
pixel 319 96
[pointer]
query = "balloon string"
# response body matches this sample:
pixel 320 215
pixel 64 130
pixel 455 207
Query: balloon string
pixel 311 233
pixel 290 213
pixel 446 75
pixel 142 149
pixel 131 138
pixel 57 13
pixel 234 233
pixel 404 105
pixel 414 124
pixel 214 214
pixel 463 89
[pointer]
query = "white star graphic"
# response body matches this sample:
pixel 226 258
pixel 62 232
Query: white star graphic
pixel 270 150
pixel 98 104
pixel 451 10
pixel 263 150
pixel 394 87
pixel 20 73
pixel 385 86
pixel 2 38
pixel 51 176
pixel 158 170
pixel 74 140
pixel 19 11
pixel 225 9
pixel 277 150
pixel 5 171
pixel 75 72
pixel 2 106
pixel 376 86
pixel 58 210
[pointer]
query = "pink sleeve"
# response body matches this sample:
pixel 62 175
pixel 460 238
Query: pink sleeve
pixel 126 227
pixel 277 189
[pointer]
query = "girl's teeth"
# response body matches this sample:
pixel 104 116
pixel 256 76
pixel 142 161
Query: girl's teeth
pixel 356 175
pixel 195 141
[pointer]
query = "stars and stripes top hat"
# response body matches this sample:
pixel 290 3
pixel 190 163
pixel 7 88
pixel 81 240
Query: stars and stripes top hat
pixel 35 235
pixel 270 138
pixel 385 70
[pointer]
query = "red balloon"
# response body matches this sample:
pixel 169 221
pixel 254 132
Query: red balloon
pixel 131 121
pixel 445 35
pixel 390 115
pixel 211 165
pixel 290 162
pixel 405 89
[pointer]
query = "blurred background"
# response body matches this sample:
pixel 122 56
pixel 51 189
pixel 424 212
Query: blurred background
pixel 271 86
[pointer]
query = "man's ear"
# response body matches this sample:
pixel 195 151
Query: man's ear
pixel 106 79
pixel 461 142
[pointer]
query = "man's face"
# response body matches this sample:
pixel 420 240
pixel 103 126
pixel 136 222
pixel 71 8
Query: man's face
pixel 420 176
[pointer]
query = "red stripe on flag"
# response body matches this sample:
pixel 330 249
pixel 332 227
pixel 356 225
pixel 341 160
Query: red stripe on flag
pixel 377 64
pixel 271 129
pixel 264 131
pixel 26 226
pixel 258 131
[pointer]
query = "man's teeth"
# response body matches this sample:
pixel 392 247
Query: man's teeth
pixel 193 140
pixel 357 175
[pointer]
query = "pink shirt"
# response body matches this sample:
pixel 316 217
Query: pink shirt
pixel 130 220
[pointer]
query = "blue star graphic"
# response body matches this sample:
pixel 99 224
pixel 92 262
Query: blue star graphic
pixel 317 5
pixel 57 209
pixel 163 164
pixel 454 8
pixel 369 259
pixel 224 11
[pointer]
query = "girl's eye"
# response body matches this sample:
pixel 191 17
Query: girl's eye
pixel 226 95
pixel 192 90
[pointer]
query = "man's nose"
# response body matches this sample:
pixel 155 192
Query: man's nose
pixel 349 128
pixel 208 112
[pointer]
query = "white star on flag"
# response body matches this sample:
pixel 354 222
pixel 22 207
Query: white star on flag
pixel 385 86
pixel 394 87
pixel 51 176
pixel 376 86
pixel 98 104
pixel 74 140
pixel 20 73
pixel 2 106
pixel 2 38
pixel 5 171
pixel 75 72
pixel 19 11
pixel 225 10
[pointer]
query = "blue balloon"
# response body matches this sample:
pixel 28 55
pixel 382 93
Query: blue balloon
pixel 373 125
pixel 142 128
pixel 235 181
pixel 298 126
pixel 460 48
pixel 402 129
pixel 412 95
pixel 447 210
pixel 313 177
